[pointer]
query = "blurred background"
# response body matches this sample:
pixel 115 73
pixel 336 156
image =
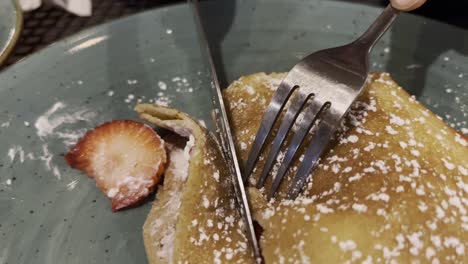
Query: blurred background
pixel 50 23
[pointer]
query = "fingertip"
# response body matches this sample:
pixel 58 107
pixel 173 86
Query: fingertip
pixel 407 5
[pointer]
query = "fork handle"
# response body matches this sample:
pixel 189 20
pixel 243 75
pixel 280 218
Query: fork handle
pixel 377 29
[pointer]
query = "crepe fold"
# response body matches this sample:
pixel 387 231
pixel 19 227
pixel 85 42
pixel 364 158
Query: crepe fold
pixel 194 217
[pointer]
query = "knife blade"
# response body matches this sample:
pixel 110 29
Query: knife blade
pixel 225 136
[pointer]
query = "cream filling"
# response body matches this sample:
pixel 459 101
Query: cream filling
pixel 178 169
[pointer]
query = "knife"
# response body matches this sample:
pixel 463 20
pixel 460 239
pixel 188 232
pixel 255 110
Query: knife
pixel 225 135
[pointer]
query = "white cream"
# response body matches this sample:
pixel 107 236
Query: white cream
pixel 178 168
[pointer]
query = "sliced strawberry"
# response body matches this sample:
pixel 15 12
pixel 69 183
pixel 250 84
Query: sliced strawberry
pixel 126 158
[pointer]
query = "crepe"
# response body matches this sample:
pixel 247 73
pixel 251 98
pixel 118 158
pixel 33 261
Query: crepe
pixel 391 187
pixel 193 219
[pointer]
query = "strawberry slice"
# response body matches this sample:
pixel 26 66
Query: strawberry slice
pixel 126 158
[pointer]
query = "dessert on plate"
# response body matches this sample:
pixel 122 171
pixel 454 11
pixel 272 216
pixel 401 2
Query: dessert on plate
pixel 390 188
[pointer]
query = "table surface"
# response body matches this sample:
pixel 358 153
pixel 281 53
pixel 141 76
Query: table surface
pixel 50 23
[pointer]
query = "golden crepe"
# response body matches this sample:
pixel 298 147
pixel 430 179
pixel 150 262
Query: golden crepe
pixel 193 219
pixel 391 188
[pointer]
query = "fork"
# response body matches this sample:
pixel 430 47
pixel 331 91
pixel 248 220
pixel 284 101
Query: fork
pixel 324 84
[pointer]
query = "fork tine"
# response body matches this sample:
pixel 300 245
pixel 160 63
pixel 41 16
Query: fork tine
pixel 311 158
pixel 275 107
pixel 296 106
pixel 310 118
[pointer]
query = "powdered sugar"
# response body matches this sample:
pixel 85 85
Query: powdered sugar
pixel 448 164
pixel 52 125
pixel 360 208
pixel 58 115
pixel 390 130
pixel 71 185
pixel 347 245
pixel 16 151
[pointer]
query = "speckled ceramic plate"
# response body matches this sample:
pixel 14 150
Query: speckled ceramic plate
pixel 10 26
pixel 50 213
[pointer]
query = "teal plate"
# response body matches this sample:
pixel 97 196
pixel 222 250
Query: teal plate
pixel 50 213
pixel 11 20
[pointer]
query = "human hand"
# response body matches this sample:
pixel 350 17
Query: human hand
pixel 407 5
